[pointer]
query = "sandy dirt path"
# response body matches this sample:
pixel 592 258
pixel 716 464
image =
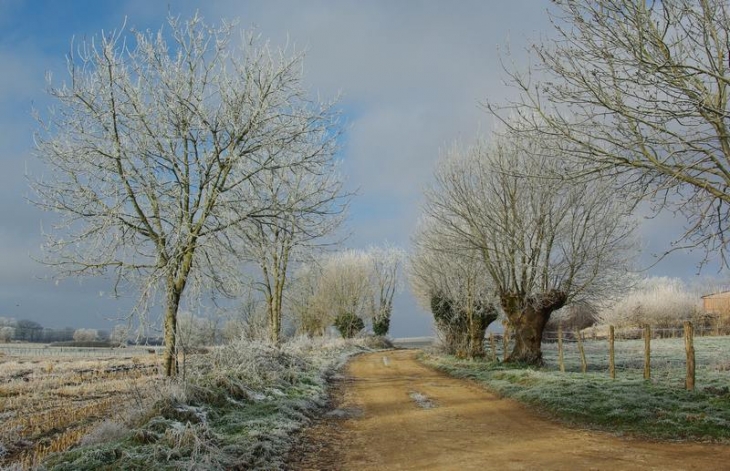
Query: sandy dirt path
pixel 461 426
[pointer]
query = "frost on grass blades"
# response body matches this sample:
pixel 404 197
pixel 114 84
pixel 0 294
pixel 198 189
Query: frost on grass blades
pixel 51 398
pixel 233 408
pixel 658 408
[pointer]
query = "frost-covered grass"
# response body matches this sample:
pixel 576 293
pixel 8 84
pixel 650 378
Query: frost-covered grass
pixel 660 409
pixel 236 408
pixel 668 358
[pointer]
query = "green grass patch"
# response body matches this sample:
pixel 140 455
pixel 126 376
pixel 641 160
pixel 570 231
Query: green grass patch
pixel 628 405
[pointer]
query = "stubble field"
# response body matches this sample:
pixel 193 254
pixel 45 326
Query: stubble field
pixel 51 398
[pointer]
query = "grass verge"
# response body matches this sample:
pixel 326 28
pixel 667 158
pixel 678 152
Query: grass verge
pixel 629 406
pixel 237 408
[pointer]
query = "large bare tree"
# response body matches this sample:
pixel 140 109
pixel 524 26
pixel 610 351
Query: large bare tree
pixel 641 88
pixel 544 239
pixel 156 149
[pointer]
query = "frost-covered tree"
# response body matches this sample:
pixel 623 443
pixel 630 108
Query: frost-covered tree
pixel 455 287
pixel 344 290
pixel 640 89
pixel 119 334
pixel 386 265
pixel 305 303
pixel 194 331
pixel 544 238
pixel 85 335
pixel 658 301
pixel 157 152
pixel 337 288
pixel 6 333
pixel 318 204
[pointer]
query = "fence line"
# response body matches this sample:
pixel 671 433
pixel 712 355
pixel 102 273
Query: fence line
pixel 43 350
pixel 654 355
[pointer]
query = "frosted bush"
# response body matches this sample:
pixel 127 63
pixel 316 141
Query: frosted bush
pixel 658 301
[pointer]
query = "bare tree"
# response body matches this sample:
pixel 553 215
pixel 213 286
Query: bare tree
pixel 455 286
pixel 194 331
pixel 544 239
pixel 386 264
pixel 305 301
pixel 85 335
pixel 640 89
pixel 247 320
pixel 348 289
pixel 156 154
pixel 6 333
pixel 317 204
pixel 344 289
pixel 119 334
pixel 335 285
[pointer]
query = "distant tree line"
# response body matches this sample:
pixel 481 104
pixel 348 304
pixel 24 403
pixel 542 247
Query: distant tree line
pixel 25 330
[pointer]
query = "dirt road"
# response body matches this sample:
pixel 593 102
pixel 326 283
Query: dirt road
pixel 405 416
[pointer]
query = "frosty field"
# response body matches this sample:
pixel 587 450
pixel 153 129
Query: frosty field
pixel 657 408
pixel 51 398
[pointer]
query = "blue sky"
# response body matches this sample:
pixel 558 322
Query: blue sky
pixel 411 75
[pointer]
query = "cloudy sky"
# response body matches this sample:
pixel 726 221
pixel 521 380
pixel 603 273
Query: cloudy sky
pixel 411 75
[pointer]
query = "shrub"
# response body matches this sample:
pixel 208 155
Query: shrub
pixel 381 325
pixel 349 325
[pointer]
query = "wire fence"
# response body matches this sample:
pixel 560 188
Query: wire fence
pixel 667 357
pixel 84 352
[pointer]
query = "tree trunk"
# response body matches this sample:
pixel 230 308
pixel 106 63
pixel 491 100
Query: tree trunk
pixel 272 315
pixel 173 302
pixel 176 282
pixel 476 344
pixel 477 329
pixel 528 316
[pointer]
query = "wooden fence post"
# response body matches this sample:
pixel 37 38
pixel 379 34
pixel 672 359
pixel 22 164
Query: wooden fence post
pixel 493 346
pixel 647 351
pixel 505 344
pixel 560 348
pixel 690 349
pixel 583 363
pixel 611 352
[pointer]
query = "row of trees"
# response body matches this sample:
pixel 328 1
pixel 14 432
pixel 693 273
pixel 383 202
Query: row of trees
pixel 25 330
pixel 628 103
pixel 349 289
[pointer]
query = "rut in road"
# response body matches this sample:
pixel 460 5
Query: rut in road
pixel 405 416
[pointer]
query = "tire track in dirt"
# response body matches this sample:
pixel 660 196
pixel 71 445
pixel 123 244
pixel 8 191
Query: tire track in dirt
pixel 466 427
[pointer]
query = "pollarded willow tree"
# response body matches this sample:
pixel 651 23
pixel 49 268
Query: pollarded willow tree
pixel 304 301
pixel 344 292
pixel 544 239
pixel 386 266
pixel 641 88
pixel 156 151
pixel 454 285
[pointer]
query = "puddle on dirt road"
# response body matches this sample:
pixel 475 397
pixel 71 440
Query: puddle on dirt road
pixel 422 400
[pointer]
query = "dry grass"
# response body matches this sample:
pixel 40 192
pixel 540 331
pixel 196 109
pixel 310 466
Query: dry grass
pixel 49 403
